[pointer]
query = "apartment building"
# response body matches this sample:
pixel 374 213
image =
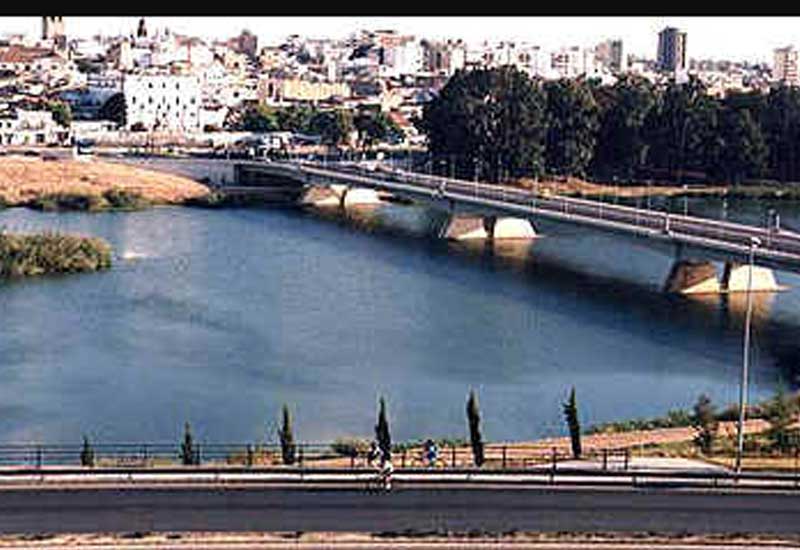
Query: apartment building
pixel 162 102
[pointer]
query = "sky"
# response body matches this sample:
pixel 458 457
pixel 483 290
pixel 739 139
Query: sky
pixel 733 38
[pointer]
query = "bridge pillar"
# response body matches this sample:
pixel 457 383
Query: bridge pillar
pixel 513 228
pixel 462 227
pixel 320 196
pixel 692 277
pixel 465 227
pixel 736 278
pixel 358 196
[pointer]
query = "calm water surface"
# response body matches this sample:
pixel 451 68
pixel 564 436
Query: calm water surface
pixel 219 317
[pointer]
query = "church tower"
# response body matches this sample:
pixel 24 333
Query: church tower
pixel 52 27
pixel 141 32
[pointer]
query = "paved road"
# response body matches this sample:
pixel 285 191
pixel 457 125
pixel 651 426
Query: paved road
pixel 406 508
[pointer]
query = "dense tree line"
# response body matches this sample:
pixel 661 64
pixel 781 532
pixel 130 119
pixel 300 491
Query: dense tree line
pixel 499 123
pixel 333 126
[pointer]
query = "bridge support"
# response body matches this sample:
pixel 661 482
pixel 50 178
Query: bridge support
pixel 700 277
pixel 340 196
pixel 466 227
pixel 357 196
pixel 736 277
pixel 321 197
pixel 693 277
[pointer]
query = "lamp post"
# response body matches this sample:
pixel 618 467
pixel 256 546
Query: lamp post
pixel 754 242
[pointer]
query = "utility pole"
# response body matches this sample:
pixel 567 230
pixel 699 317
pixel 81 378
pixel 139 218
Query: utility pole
pixel 754 242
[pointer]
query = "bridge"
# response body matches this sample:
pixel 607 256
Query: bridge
pixel 481 211
pixel 493 212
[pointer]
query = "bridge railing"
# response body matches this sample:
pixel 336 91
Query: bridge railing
pixel 667 223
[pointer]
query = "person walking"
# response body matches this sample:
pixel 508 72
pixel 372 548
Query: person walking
pixel 431 453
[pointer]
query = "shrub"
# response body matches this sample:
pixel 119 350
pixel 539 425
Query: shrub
pixel 121 199
pixel 350 446
pixel 25 255
pixel 705 422
pixel 87 453
pixel 213 199
pixel 53 202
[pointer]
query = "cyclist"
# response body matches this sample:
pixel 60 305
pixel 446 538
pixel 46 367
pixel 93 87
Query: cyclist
pixel 385 474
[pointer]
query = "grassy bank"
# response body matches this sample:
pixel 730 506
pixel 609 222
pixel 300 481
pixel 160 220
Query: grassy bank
pixel 24 180
pixel 574 187
pixel 111 199
pixel 23 255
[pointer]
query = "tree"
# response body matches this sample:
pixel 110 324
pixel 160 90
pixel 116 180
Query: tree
pixel 704 420
pixel 781 414
pixel 570 409
pixel 287 437
pixel 574 122
pixel 382 431
pixel 487 123
pixel 680 129
pixel 189 455
pixel 333 126
pixel 621 145
pixel 374 127
pixel 87 453
pixel 475 437
pixel 115 109
pixel 252 118
pixel 62 114
pixel 780 122
pixel 741 149
pixel 296 118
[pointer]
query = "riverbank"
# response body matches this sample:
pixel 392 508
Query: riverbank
pixel 23 255
pixel 36 182
pixel 574 187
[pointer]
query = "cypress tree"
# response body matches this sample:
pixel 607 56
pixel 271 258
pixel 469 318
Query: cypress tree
pixel 287 437
pixel 571 417
pixel 382 431
pixel 87 453
pixel 474 420
pixel 188 454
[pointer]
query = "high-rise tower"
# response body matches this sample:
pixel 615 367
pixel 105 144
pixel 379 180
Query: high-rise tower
pixel 671 50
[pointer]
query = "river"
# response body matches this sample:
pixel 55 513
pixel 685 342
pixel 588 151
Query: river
pixel 218 317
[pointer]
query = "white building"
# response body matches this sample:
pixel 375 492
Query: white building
pixel 785 65
pixel 32 128
pixel 163 102
pixel 573 62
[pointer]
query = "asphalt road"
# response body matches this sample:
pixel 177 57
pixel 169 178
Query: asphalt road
pixel 415 509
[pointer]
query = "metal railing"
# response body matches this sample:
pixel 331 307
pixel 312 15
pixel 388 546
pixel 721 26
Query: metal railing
pixel 338 455
pixel 780 246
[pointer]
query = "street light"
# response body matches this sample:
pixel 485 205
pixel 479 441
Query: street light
pixel 754 242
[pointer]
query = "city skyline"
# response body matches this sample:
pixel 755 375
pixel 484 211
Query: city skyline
pixel 708 37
